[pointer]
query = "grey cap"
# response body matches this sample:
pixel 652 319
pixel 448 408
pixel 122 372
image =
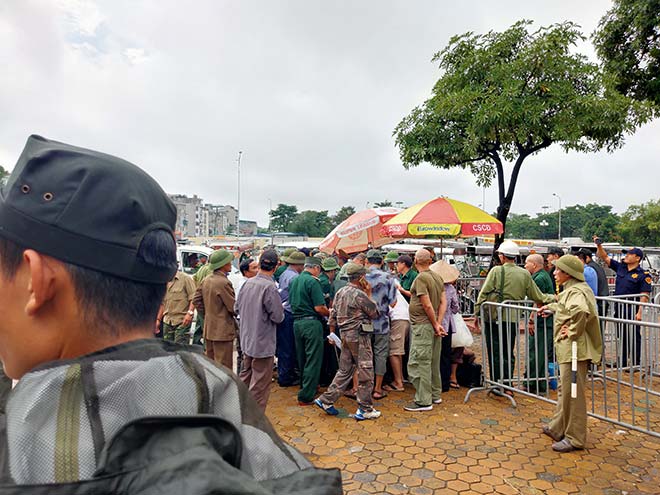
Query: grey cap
pixel 313 260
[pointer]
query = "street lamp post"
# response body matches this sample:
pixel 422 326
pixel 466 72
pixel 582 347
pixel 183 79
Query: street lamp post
pixel 559 229
pixel 238 199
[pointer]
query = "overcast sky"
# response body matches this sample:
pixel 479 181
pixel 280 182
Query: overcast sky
pixel 308 90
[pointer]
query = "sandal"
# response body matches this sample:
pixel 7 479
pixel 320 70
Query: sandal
pixel 454 385
pixel 378 395
pixel 392 388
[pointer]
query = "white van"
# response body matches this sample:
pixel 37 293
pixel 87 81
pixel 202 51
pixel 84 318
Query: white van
pixel 188 255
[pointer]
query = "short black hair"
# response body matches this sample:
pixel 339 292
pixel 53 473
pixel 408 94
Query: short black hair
pixel 375 260
pixel 108 301
pixel 244 265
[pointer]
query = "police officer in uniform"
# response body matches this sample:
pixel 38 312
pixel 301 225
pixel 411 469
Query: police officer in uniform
pixel 630 279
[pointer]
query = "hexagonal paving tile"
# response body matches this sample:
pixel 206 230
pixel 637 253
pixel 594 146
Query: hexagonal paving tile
pixel 484 446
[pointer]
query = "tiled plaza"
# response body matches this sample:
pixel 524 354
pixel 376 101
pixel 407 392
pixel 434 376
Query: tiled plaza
pixel 484 446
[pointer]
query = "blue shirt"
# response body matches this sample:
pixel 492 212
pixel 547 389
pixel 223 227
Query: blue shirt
pixel 591 278
pixel 635 281
pixel 285 282
pixel 383 292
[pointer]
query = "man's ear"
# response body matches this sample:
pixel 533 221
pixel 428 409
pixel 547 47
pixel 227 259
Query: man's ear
pixel 42 274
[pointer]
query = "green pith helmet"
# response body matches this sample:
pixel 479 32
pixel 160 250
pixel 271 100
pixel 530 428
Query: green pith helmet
pixel 571 265
pixel 391 257
pixel 329 264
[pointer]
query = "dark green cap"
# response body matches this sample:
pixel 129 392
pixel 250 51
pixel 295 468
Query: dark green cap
pixel 313 260
pixel 86 208
pixel 295 258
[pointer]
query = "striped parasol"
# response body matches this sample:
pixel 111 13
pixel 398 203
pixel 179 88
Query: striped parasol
pixel 442 217
pixel 360 231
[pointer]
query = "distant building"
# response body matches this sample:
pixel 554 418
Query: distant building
pixel 248 227
pixel 222 219
pixel 189 215
pixel 197 219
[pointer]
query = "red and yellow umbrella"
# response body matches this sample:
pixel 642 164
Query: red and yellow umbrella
pixel 359 231
pixel 442 217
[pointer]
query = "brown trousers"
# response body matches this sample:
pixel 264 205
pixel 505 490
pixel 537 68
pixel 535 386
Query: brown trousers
pixel 354 354
pixel 257 374
pixel 221 351
pixel 570 420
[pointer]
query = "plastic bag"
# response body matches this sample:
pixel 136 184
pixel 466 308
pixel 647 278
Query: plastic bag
pixel 462 337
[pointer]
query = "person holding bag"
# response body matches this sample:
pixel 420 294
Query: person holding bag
pixel 450 355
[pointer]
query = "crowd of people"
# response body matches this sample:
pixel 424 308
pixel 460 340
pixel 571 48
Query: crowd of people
pixel 365 324
pixel 302 307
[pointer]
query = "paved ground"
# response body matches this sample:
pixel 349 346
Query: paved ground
pixel 484 446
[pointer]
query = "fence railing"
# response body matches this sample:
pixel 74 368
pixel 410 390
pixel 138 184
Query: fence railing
pixel 624 388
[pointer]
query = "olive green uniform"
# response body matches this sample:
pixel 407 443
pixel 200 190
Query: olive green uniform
pixel 304 294
pixel 516 284
pixel 326 286
pixel 425 346
pixel 541 343
pixel 576 312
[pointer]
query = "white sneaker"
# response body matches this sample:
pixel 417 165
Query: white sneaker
pixel 437 401
pixel 361 415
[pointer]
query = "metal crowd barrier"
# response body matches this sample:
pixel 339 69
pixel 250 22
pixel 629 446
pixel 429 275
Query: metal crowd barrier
pixel 468 290
pixel 624 388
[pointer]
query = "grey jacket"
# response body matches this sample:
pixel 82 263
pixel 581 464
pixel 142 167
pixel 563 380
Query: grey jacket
pixel 140 418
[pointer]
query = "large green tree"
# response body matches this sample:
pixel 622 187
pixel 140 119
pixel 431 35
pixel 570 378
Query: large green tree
pixel 312 223
pixel 628 42
pixel 282 217
pixel 342 214
pixel 640 224
pixel 503 97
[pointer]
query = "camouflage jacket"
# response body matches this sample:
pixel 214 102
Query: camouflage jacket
pixel 351 308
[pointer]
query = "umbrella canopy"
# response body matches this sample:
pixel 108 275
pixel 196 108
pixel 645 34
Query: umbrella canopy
pixel 359 231
pixel 443 217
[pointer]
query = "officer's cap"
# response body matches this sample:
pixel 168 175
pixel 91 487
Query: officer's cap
pixel 85 208
pixel 635 251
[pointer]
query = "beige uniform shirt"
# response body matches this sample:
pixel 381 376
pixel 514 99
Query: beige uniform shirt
pixel 180 291
pixel 576 310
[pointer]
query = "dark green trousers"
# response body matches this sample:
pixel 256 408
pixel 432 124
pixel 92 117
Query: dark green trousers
pixel 309 351
pixel 540 345
pixel 499 345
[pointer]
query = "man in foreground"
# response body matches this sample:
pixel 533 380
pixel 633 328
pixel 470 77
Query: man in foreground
pixel 427 309
pixel 352 314
pixel 86 251
pixel 260 310
pixel 576 320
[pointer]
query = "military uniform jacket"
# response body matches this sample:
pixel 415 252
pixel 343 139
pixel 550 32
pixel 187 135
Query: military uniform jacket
pixel 352 308
pixel 518 285
pixel 576 310
pixel 215 300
